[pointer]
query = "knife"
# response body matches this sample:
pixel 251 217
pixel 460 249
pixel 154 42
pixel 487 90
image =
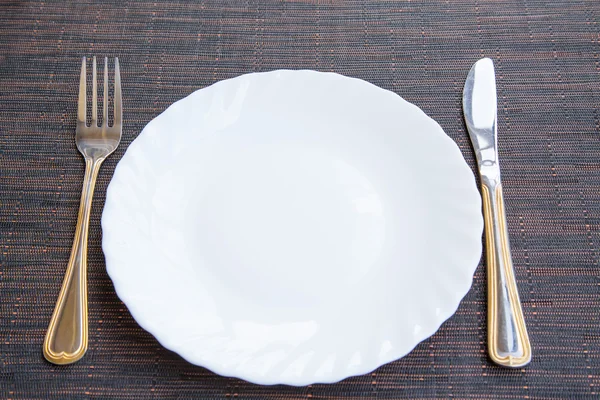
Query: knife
pixel 508 341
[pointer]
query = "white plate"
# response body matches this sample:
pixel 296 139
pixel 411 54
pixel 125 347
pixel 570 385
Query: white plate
pixel 292 227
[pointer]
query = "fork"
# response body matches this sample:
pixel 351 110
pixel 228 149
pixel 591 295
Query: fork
pixel 67 337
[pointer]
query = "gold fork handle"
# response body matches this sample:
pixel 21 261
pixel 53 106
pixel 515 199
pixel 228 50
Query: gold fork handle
pixel 508 341
pixel 67 337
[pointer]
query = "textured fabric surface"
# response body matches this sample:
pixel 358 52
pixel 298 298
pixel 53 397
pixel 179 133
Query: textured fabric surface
pixel 548 75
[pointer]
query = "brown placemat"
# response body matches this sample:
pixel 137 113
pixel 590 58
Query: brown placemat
pixel 548 71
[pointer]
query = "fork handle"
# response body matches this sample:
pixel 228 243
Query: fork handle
pixel 508 341
pixel 67 337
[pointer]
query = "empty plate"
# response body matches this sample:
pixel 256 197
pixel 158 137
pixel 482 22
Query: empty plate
pixel 292 227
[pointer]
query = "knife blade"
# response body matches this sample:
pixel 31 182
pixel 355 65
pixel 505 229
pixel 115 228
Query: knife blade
pixel 508 341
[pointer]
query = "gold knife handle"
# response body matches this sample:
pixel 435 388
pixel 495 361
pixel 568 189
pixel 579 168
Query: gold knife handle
pixel 508 341
pixel 67 337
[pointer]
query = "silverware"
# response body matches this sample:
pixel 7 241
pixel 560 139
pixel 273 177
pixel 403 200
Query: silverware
pixel 67 337
pixel 508 342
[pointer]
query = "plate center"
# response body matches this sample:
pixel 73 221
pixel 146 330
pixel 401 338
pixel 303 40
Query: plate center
pixel 293 218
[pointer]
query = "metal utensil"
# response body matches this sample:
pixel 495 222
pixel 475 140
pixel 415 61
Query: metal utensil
pixel 67 336
pixel 508 342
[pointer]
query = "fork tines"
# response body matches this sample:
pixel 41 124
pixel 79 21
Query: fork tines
pixel 82 112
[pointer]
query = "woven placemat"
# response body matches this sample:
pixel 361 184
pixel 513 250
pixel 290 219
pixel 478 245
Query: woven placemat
pixel 548 74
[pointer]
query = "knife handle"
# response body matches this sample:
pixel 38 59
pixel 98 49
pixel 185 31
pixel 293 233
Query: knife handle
pixel 508 341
